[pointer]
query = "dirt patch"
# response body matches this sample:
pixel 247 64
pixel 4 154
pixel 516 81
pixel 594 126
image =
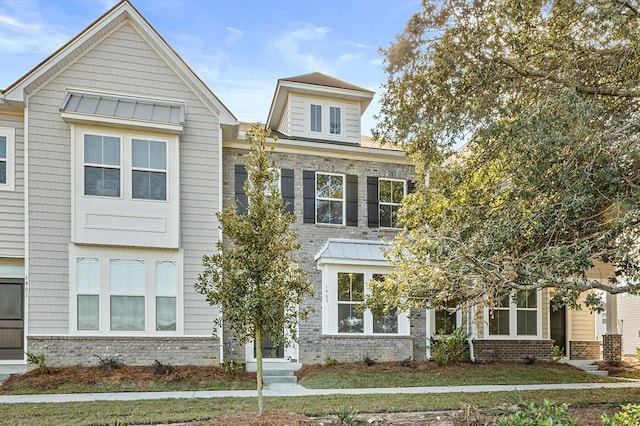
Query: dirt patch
pixel 626 365
pixel 137 376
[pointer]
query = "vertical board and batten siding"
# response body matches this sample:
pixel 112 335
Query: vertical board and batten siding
pixel 123 62
pixel 12 212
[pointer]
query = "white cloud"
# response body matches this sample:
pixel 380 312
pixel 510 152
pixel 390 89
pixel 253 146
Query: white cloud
pixel 23 31
pixel 296 46
pixel 234 35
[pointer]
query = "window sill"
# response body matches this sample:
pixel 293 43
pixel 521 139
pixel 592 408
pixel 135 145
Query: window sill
pixel 367 336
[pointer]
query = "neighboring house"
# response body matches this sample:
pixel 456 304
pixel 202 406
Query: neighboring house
pixel 110 155
pixel 629 322
pixel 114 160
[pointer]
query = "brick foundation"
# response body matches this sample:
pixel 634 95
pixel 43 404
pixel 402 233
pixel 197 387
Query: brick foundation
pixel 378 348
pixel 584 349
pixel 81 350
pixel 612 347
pixel 511 350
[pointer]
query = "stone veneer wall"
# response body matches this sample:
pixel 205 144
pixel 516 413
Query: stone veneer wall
pixel 612 347
pixel 584 349
pixel 377 348
pixel 314 347
pixel 486 350
pixel 80 350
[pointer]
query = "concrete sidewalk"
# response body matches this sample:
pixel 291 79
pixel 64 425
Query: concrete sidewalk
pixel 289 390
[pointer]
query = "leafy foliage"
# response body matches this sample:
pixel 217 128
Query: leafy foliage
pixel 629 416
pixel 449 347
pixel 39 361
pixel 253 277
pixel 534 415
pixel 545 96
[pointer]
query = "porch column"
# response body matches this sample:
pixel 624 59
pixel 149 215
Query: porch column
pixel 612 341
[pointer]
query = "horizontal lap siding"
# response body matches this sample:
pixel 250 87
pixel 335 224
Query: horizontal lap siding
pixel 12 212
pixel 121 63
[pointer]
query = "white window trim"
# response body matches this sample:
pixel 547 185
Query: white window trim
pixel 104 255
pixel 381 203
pixel 513 325
pixel 325 105
pixel 10 134
pixel 343 200
pixel 431 317
pixel 330 302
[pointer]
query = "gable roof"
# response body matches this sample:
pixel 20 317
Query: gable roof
pixel 319 79
pixel 315 84
pixel 75 47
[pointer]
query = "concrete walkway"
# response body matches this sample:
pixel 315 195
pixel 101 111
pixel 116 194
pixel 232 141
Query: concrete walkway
pixel 289 390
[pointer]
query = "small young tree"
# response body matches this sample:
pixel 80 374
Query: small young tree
pixel 253 277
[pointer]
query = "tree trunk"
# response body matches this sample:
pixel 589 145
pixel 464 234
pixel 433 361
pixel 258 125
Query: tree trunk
pixel 258 344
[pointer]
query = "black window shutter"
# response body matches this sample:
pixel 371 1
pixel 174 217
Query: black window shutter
pixel 411 186
pixel 241 198
pixel 309 196
pixel 286 189
pixel 373 218
pixel 352 200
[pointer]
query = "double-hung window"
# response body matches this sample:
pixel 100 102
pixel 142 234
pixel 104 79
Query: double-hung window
pixel 330 203
pixel 102 165
pixel 7 158
pixel 335 121
pixel 165 286
pixel 516 315
pixel 148 169
pixel 88 298
pixel 350 295
pixel 391 193
pixel 346 288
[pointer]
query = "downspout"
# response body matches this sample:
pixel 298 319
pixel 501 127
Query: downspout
pixel 220 199
pixel 471 330
pixel 25 180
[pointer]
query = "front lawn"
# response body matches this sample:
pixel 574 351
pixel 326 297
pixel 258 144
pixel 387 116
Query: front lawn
pixel 393 374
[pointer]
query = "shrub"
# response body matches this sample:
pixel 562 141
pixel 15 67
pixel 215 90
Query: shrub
pixel 557 353
pixel 39 361
pixel 328 361
pixel 449 347
pixel 545 414
pixel 161 369
pixel 368 360
pixel 629 416
pixel 638 354
pixel 348 417
pixel 108 363
pixel 233 367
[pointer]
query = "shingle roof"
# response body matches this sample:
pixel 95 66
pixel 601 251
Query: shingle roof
pixel 320 79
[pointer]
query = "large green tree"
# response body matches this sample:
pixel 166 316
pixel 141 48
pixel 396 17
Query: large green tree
pixel 545 97
pixel 253 276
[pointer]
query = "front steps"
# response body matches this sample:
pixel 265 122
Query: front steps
pixel 587 365
pixel 277 372
pixel 7 370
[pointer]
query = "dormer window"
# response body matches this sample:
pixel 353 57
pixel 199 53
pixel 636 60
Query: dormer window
pixel 316 118
pixel 334 121
pixel 325 119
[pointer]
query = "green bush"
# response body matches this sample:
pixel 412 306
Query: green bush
pixel 328 361
pixel 557 353
pixel 543 415
pixel 629 416
pixel 449 347
pixel 638 354
pixel 39 361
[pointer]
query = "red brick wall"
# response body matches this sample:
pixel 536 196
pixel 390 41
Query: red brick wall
pixel 512 350
pixel 584 349
pixel 612 347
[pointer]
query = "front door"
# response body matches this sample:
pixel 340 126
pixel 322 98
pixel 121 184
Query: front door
pixel 269 349
pixel 558 328
pixel 11 319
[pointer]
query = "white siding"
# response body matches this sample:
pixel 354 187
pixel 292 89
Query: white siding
pixel 123 62
pixel 629 318
pixel 12 212
pixel 300 117
pixel 284 126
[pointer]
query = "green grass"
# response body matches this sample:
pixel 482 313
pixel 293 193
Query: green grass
pixel 464 374
pixel 182 410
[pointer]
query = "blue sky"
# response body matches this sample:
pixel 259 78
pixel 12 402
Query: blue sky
pixel 238 47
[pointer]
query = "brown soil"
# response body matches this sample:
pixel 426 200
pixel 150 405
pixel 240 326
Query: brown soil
pixel 627 365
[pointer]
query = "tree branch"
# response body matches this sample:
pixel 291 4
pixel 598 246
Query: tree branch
pixel 587 90
pixel 628 5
